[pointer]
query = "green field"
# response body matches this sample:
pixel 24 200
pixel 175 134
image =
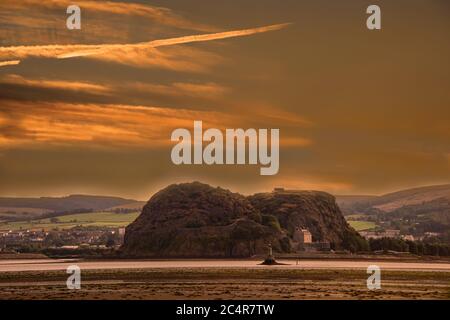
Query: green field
pixel 362 225
pixel 97 219
pixel 355 216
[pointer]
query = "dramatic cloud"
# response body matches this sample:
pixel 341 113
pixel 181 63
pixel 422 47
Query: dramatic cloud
pixel 358 112
pixel 27 123
pixel 113 125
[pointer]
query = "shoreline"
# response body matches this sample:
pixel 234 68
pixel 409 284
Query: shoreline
pixel 266 283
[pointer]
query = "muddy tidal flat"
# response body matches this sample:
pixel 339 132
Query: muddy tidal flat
pixel 216 279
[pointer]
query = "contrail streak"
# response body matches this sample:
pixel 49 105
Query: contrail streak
pixel 72 51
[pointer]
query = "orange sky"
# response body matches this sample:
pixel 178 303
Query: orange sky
pixel 359 111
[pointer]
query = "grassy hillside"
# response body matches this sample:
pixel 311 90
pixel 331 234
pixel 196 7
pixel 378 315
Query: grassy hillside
pixel 394 201
pixel 99 219
pixel 346 202
pixel 417 198
pixel 410 197
pixel 362 225
pixel 20 209
pixel 11 213
pixel 136 205
pixel 72 202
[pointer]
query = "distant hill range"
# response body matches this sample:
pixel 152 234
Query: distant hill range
pixel 417 211
pixel 31 208
pixel 430 199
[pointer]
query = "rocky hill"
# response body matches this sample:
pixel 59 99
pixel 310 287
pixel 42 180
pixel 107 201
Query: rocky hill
pixel 314 210
pixel 197 220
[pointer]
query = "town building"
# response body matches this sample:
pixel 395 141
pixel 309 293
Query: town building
pixel 121 233
pixel 380 234
pixel 303 241
pixel 302 236
pixel 408 237
pixel 391 233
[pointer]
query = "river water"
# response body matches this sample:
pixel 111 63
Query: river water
pixel 62 264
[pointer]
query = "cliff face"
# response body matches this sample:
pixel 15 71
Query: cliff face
pixel 316 211
pixel 196 220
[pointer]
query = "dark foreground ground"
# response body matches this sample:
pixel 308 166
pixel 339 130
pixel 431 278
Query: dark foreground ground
pixel 227 283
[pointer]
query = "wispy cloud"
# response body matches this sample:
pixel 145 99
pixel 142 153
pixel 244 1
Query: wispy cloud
pixel 175 58
pixel 55 84
pixel 161 15
pixel 72 51
pixel 201 90
pixel 208 90
pixel 9 63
